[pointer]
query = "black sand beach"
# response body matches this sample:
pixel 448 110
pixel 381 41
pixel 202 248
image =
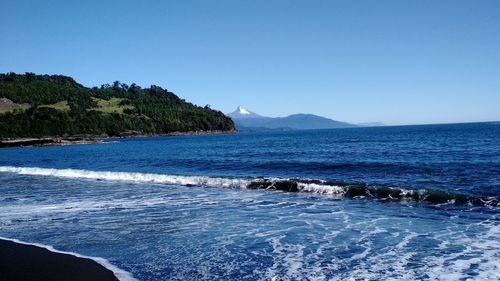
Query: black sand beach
pixel 19 262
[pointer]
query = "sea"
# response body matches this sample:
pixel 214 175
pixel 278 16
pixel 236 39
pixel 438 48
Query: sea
pixel 382 203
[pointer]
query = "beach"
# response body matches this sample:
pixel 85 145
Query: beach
pixel 25 262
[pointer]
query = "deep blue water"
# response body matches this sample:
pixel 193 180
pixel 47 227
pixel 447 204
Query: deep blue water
pixel 179 208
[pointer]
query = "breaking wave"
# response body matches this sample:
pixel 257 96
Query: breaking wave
pixel 316 186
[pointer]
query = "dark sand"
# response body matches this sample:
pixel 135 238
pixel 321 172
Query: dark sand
pixel 19 262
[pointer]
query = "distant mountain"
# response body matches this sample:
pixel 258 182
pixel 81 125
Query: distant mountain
pixel 306 121
pixel 371 124
pixel 247 120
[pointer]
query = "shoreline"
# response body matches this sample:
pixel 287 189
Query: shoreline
pixel 57 141
pixel 29 261
pixel 48 141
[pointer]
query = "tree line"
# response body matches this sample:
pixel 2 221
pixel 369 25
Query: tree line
pixel 152 110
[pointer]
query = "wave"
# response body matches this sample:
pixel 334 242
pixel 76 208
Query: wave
pixel 121 274
pixel 316 186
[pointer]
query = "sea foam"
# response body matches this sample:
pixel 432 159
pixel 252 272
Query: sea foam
pixel 315 186
pixel 129 176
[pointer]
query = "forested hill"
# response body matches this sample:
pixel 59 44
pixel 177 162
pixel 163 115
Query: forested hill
pixel 55 105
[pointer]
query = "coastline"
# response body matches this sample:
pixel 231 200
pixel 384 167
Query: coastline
pixel 26 262
pixel 48 141
pixel 56 141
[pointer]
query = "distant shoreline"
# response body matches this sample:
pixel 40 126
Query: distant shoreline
pixel 56 141
pixel 47 141
pixel 26 262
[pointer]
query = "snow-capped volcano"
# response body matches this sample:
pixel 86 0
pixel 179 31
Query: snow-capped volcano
pixel 242 112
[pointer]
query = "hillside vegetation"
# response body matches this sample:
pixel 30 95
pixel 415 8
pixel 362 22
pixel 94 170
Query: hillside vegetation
pixel 55 105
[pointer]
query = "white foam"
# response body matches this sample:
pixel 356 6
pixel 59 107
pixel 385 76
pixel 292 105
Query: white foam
pixel 165 179
pixel 126 176
pixel 288 256
pixel 482 251
pixel 121 274
pixel 321 189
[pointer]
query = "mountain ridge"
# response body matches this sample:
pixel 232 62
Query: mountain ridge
pixel 245 120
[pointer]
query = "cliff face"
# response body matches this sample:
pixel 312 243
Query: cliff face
pixel 55 105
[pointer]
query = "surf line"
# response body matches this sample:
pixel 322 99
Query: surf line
pixel 315 186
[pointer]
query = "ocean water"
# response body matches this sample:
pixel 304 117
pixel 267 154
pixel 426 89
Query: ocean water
pixel 387 203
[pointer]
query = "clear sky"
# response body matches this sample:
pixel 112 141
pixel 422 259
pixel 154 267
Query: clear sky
pixel 398 62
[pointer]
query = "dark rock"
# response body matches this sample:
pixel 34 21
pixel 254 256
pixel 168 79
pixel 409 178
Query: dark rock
pixel 356 190
pixel 264 184
pixel 285 185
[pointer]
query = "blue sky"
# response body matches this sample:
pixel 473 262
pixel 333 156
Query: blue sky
pixel 398 62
